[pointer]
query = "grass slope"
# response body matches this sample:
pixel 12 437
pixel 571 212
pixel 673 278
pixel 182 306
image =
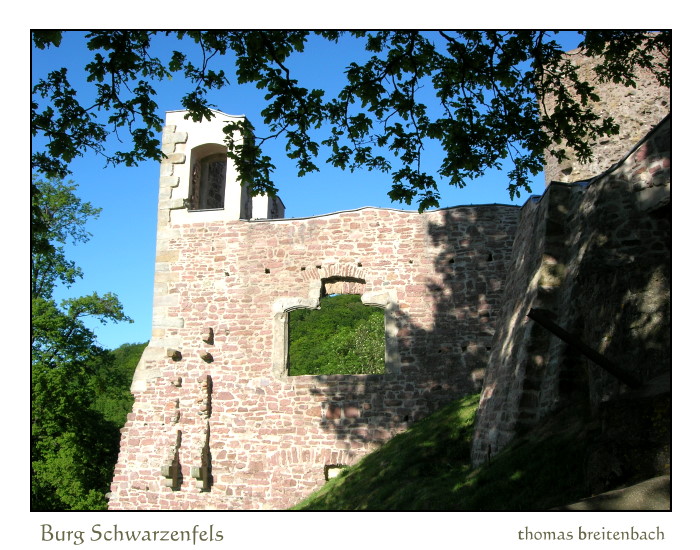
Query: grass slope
pixel 428 468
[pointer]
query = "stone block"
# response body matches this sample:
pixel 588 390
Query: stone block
pixel 169 181
pixel 177 158
pixel 652 198
pixel 207 335
pixel 166 300
pixel 172 204
pixel 168 256
pixel 333 412
pixel 163 217
pixel 168 322
pixel 175 137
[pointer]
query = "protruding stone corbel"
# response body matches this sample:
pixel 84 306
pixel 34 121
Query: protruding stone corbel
pixel 172 412
pixel 175 204
pixel 176 158
pixel 172 470
pixel 202 473
pixel 208 336
pixel 206 356
pixel 174 354
pixel 204 398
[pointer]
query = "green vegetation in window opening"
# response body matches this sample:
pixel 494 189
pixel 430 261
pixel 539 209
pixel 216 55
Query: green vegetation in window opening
pixel 343 337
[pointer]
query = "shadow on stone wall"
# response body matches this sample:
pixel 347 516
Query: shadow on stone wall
pixel 596 257
pixel 613 294
pixel 438 363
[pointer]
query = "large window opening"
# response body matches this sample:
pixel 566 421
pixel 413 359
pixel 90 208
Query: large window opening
pixel 343 336
pixel 208 182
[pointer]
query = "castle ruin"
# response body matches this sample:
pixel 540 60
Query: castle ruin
pixel 218 423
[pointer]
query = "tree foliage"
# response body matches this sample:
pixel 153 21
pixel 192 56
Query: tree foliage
pixel 73 447
pixel 342 337
pixel 487 85
pixel 112 383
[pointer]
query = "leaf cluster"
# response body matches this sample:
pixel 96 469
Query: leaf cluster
pixel 111 382
pixel 73 447
pixel 474 94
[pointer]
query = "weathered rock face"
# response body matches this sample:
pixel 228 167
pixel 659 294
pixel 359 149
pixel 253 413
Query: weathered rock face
pixel 635 109
pixel 598 259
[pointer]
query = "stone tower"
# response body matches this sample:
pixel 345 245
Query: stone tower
pixel 593 254
pixel 636 110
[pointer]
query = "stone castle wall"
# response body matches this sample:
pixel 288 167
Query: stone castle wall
pixel 217 422
pixel 635 109
pixel 597 258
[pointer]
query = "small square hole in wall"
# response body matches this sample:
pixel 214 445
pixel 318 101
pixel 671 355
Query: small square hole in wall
pixel 267 270
pixel 333 470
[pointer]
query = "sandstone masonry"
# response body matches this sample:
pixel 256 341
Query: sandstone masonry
pixel 217 422
pixel 636 110
pixel 596 257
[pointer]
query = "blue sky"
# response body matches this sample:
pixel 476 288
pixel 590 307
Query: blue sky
pixel 120 256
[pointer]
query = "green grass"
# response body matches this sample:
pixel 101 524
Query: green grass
pixel 428 468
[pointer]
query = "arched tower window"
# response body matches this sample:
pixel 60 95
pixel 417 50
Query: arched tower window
pixel 208 181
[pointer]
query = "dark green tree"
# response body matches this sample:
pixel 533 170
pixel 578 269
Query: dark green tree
pixel 112 383
pixel 73 448
pixel 487 85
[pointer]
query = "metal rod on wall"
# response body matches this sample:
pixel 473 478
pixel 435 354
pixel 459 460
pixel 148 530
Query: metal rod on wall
pixel 540 316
